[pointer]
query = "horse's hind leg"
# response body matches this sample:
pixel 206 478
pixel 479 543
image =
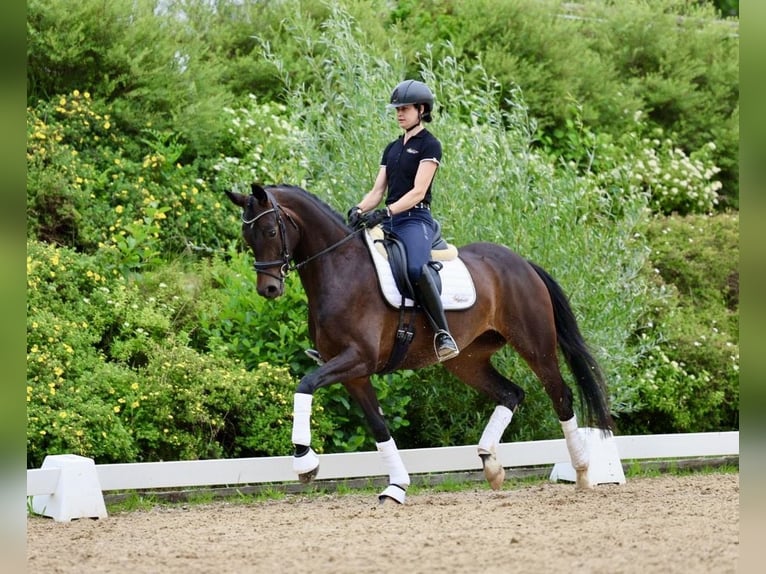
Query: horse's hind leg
pixel 475 369
pixel 548 371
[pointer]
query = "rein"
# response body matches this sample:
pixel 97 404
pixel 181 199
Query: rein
pixel 285 263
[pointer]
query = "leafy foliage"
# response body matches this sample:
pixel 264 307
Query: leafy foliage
pixel 112 373
pixel 595 158
pixel 690 381
pixel 672 61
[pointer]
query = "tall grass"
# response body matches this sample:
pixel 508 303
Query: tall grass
pixel 492 184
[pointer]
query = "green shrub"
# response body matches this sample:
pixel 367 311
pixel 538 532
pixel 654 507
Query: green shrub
pixel 642 161
pixel 671 60
pixel 153 64
pixel 111 373
pixel 690 381
pixel 91 189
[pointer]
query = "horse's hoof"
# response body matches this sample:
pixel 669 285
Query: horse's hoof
pixel 309 476
pixel 387 501
pixel 495 474
pixel 493 470
pixel 583 483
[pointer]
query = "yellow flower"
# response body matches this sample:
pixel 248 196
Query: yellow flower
pixel 116 409
pixel 134 386
pixel 119 209
pixel 76 93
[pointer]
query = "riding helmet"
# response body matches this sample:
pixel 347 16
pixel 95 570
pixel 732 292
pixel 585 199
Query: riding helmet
pixel 413 92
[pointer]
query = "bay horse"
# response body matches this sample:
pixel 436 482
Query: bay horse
pixel 352 328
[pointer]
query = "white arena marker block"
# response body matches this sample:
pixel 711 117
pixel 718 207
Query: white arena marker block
pixel 605 465
pixel 78 491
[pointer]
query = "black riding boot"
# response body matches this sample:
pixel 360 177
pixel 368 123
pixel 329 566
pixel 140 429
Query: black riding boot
pixel 428 297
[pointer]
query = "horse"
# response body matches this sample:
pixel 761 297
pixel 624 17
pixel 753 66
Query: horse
pixel 517 303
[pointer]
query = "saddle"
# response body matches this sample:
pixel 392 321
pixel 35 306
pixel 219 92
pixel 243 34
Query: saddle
pixel 392 248
pixel 389 256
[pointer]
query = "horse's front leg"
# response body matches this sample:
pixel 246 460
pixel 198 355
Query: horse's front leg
pixel 305 459
pixel 362 391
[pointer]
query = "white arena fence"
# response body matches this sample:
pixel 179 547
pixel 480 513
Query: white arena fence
pixel 69 486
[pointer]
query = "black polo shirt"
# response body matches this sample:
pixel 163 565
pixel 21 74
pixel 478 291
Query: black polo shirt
pixel 402 162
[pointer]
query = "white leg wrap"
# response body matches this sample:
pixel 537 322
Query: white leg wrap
pixel 575 444
pixel 392 462
pixel 302 419
pixel 493 432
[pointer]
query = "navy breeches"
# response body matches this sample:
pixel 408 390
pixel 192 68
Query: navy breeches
pixel 415 229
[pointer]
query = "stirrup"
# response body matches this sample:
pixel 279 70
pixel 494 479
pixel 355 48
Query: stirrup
pixel 314 354
pixel 448 348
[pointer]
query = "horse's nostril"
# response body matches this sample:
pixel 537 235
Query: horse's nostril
pixel 270 291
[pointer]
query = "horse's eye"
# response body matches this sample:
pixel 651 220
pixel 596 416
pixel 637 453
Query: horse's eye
pixel 272 232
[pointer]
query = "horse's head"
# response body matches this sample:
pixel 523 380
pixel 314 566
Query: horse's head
pixel 265 229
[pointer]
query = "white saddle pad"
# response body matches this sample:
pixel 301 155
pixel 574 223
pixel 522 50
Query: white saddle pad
pixel 458 291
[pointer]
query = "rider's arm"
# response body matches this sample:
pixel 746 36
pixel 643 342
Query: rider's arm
pixel 375 195
pixel 423 178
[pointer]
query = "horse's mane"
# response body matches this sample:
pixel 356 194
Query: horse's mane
pixel 324 207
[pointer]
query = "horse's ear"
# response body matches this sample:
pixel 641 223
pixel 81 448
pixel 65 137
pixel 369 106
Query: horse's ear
pixel 259 193
pixel 237 198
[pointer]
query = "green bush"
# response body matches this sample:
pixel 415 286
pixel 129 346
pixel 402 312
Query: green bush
pixel 673 61
pixel 153 65
pixel 690 381
pixel 643 161
pixel 92 189
pixel 111 373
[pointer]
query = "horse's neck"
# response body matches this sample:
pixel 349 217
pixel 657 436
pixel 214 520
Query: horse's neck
pixel 328 257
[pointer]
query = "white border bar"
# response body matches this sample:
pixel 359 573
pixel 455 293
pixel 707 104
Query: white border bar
pixel 223 472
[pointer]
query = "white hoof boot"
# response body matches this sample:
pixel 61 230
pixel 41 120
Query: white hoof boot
pixel 393 492
pixel 306 466
pixel 493 470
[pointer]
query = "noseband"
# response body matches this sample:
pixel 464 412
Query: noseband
pixel 285 266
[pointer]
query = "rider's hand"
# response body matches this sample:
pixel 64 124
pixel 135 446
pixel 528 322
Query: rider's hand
pixel 376 217
pixel 354 217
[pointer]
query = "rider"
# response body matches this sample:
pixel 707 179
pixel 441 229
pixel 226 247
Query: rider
pixel 406 173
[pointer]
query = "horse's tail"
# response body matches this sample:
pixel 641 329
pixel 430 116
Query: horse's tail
pixel 586 371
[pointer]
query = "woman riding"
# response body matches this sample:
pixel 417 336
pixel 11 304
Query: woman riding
pixel 406 173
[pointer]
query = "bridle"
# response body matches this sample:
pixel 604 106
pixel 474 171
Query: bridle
pixel 285 264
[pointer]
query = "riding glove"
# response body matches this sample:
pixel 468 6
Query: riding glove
pixel 354 217
pixel 375 217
